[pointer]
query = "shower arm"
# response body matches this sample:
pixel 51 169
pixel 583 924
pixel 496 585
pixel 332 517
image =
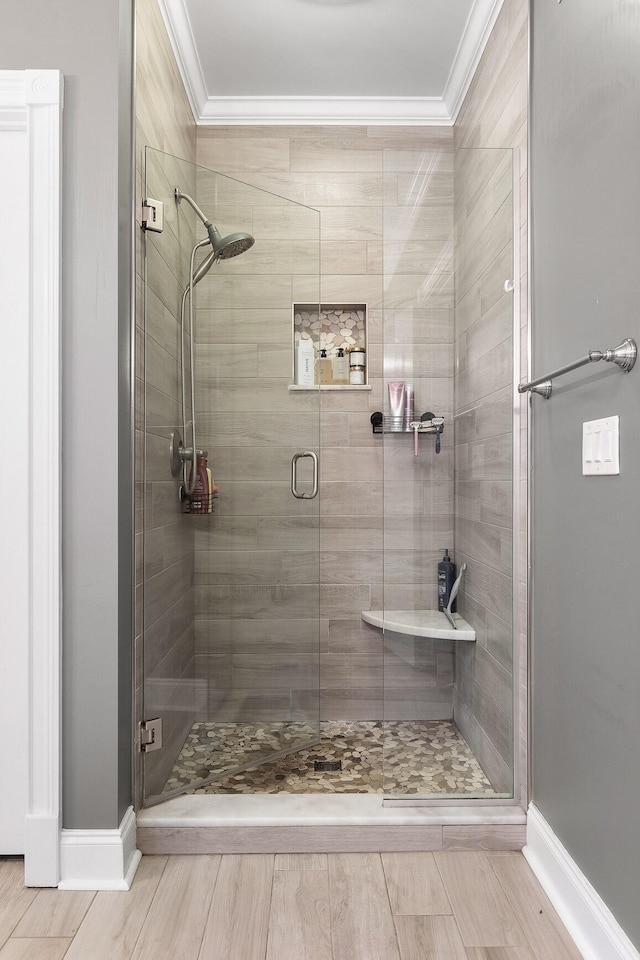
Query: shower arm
pixel 187 454
pixel 180 196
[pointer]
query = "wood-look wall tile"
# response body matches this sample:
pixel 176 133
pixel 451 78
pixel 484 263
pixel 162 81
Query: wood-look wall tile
pixel 274 671
pixel 346 155
pixel 245 155
pixel 354 637
pixel 254 292
pixel 350 566
pixel 490 544
pixel 251 324
pixel 348 704
pixel 225 601
pixel 342 498
pixel 250 637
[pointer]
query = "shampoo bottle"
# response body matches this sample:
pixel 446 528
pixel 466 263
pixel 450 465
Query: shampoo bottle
pixel 446 579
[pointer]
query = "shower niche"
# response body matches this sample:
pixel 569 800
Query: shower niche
pixel 337 333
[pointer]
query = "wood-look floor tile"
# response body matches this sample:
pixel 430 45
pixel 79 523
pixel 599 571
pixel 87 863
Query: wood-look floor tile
pixel 55 913
pixel 361 921
pixel 414 884
pixel 299 925
pixel 175 922
pixel 499 953
pixel 301 861
pixel 32 948
pixel 15 898
pixel 481 908
pixel 114 920
pixel 540 922
pixel 437 938
pixel 239 918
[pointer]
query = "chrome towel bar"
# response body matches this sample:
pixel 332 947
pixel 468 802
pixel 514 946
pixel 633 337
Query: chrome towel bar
pixel 624 356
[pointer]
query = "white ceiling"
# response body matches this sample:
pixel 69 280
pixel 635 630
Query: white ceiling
pixel 328 61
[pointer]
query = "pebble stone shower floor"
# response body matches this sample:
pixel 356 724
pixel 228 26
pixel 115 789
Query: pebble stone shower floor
pixel 428 758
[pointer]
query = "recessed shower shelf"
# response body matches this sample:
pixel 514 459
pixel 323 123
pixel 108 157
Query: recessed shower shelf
pixel 420 623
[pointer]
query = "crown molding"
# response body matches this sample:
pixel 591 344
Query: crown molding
pixel 387 111
pixel 384 111
pixel 481 22
pixel 178 27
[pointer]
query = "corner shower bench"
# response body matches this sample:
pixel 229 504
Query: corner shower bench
pixel 420 623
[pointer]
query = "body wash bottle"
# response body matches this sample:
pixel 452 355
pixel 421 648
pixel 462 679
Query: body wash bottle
pixel 324 369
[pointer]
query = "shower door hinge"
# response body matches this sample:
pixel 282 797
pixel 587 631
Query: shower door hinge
pixel 150 735
pixel 153 215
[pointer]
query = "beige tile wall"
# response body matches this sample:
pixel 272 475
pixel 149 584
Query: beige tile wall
pixel 494 115
pixel 165 569
pixel 369 185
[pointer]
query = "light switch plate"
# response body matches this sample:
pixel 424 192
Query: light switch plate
pixel 601 447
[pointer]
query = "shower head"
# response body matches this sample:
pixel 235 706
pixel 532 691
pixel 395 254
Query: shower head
pixel 224 248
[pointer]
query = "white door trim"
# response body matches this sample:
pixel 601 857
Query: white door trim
pixel 31 105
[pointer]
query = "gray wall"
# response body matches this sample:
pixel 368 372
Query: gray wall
pixel 586 288
pixel 96 244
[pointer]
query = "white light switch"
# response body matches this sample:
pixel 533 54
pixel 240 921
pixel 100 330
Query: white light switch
pixel 601 447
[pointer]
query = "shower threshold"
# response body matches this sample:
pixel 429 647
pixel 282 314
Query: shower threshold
pixel 338 823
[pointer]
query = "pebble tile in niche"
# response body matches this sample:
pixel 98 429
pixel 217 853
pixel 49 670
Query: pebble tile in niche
pixel 426 758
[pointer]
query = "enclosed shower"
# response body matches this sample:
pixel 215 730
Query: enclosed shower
pixel 262 669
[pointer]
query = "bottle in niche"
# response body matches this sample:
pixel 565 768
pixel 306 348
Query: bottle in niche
pixel 357 366
pixel 324 370
pixel 200 495
pixel 340 367
pixel 446 579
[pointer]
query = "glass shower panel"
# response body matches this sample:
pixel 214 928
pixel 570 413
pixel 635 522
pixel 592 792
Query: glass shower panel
pixel 231 588
pixel 448 347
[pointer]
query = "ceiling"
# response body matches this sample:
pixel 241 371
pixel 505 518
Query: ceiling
pixel 328 61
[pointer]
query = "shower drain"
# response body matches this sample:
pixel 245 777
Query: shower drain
pixel 320 765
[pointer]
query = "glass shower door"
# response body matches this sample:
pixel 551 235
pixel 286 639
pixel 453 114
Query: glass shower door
pixel 450 332
pixel 231 591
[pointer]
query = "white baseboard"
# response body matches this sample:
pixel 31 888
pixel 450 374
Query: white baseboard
pixel 594 929
pixel 100 859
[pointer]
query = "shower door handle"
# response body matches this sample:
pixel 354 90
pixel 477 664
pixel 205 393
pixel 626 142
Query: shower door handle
pixel 294 475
